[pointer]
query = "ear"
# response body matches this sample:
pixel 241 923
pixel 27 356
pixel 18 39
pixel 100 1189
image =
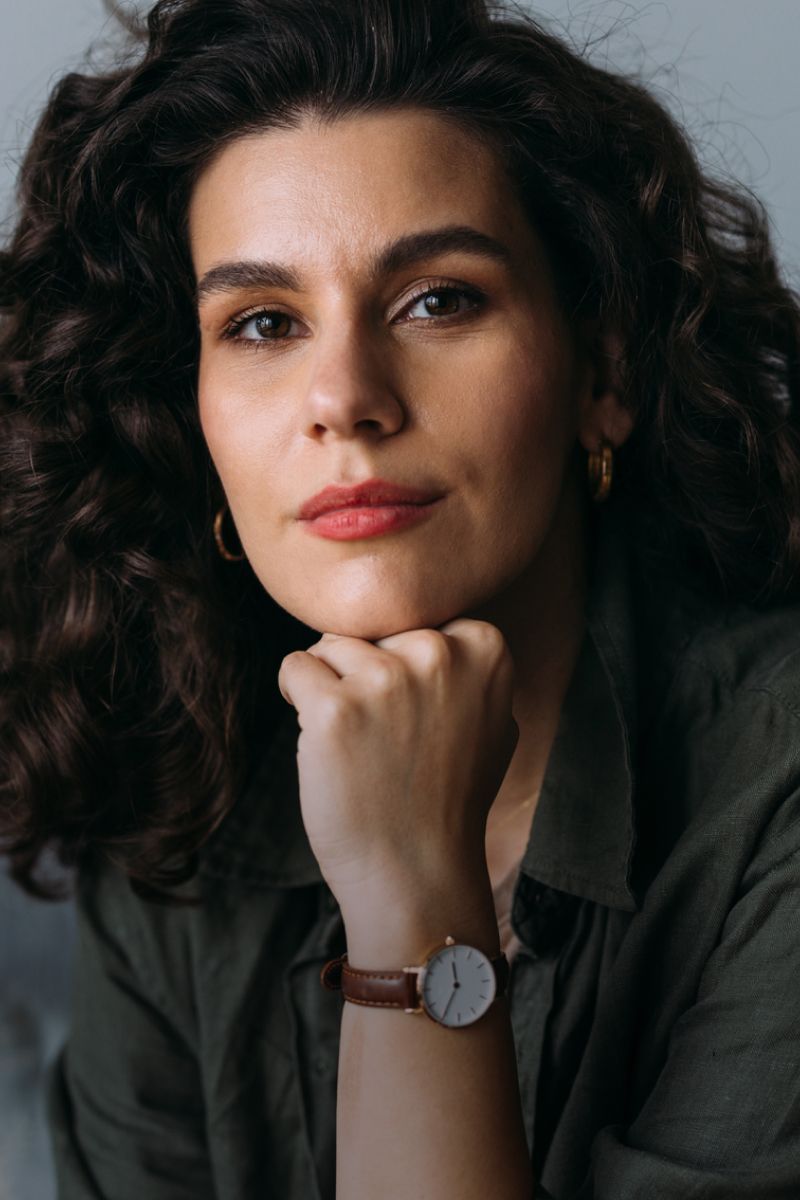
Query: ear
pixel 601 414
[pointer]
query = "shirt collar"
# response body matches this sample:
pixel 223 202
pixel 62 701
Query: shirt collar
pixel 582 834
pixel 583 831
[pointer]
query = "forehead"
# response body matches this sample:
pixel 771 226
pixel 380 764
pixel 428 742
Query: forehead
pixel 343 188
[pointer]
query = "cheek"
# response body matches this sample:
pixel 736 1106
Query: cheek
pixel 237 430
pixel 526 444
pixel 530 426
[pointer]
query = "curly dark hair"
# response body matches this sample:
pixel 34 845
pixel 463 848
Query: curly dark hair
pixel 138 668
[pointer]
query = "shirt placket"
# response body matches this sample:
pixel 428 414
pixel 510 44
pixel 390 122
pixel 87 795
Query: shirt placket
pixel 316 1016
pixel 539 918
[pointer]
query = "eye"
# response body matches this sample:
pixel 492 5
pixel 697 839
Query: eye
pixel 263 320
pixel 438 302
pixel 440 306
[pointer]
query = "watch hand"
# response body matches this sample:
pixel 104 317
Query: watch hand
pixel 449 1002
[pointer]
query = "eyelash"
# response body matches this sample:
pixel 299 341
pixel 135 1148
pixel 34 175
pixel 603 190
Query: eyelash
pixel 231 330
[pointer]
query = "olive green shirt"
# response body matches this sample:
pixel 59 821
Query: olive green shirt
pixel 655 1000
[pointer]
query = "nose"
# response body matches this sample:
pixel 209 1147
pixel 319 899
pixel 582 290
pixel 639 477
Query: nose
pixel 349 391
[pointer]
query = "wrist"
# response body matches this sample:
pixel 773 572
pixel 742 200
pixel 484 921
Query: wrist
pixel 401 927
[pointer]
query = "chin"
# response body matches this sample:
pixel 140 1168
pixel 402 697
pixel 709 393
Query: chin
pixel 369 629
pixel 359 622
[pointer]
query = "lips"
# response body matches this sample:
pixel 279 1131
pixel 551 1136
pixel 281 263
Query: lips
pixel 372 493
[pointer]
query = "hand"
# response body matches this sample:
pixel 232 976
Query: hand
pixel 403 745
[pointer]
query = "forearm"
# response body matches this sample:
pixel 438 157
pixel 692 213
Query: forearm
pixel 422 1109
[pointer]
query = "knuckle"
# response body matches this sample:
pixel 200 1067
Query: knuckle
pixel 386 674
pixel 490 639
pixel 431 649
pixel 496 654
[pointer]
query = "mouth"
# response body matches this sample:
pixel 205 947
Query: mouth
pixel 354 522
pixel 370 494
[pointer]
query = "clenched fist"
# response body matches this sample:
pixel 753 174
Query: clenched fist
pixel 403 746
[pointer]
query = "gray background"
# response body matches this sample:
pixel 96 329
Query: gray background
pixel 727 68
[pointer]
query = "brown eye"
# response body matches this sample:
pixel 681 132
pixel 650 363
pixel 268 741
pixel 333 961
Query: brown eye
pixel 443 302
pixel 263 322
pixel 266 323
pixel 256 329
pixel 437 303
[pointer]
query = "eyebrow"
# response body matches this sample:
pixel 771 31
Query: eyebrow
pixel 403 252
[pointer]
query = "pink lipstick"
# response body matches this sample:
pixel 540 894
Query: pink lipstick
pixel 346 513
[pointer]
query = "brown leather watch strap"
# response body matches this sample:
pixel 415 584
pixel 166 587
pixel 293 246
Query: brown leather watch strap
pixel 389 989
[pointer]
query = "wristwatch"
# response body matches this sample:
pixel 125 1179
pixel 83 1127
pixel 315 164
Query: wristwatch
pixel 455 985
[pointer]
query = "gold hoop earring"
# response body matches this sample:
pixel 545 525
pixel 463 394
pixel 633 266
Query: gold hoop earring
pixel 600 471
pixel 223 549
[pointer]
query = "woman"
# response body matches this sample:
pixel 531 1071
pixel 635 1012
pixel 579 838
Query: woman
pixel 402 477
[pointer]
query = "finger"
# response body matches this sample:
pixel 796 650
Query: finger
pixel 463 637
pixel 303 675
pixel 456 624
pixel 349 655
pixel 485 646
pixel 465 627
pixel 478 637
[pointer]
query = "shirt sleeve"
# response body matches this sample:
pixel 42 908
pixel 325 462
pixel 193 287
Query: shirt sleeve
pixel 723 1121
pixel 125 1098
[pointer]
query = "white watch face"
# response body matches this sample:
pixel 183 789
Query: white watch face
pixel 458 985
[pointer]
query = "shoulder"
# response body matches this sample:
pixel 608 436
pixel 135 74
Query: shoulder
pixel 723 743
pixel 130 928
pixel 742 663
pixel 180 958
pixel 750 651
pixel 689 641
pixel 718 712
pixel 695 648
pixel 717 759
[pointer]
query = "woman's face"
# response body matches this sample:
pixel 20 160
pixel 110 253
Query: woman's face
pixel 339 370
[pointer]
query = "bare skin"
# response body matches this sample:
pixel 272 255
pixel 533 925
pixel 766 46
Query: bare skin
pixel 428 707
